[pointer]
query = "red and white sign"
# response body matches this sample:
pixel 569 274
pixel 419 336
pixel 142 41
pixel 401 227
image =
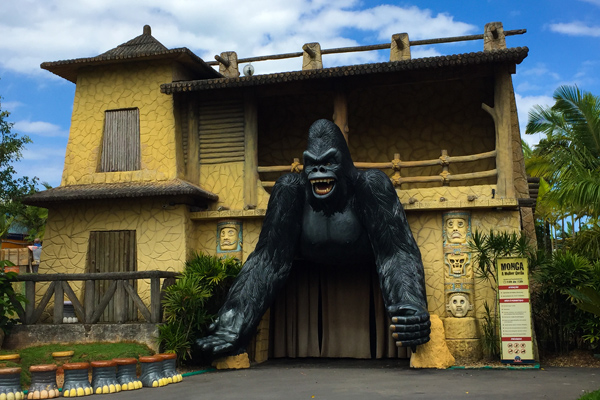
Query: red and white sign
pixel 515 311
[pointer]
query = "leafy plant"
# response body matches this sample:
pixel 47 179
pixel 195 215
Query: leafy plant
pixel 191 304
pixel 489 333
pixel 560 325
pixel 487 248
pixel 8 314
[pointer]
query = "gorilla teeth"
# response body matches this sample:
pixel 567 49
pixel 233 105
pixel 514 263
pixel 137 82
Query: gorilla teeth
pixel 322 186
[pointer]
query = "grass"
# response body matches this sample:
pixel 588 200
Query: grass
pixel 595 395
pixel 36 355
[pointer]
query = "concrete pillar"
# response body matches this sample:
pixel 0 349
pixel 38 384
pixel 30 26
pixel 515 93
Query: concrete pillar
pixel 400 49
pixel 228 64
pixel 493 36
pixel 312 56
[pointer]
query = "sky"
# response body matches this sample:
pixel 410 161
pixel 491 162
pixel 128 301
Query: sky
pixel 563 38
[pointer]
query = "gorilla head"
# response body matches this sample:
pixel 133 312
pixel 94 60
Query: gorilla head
pixel 328 168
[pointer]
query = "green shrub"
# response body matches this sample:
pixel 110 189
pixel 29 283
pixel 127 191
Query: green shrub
pixel 8 313
pixel 559 324
pixel 191 304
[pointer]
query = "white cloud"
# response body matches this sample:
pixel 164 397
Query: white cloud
pixel 39 128
pixel 10 106
pixel 594 2
pixel 524 105
pixel 50 30
pixel 576 28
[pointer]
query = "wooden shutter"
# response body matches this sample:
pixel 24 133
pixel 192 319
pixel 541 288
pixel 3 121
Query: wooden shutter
pixel 221 131
pixel 121 141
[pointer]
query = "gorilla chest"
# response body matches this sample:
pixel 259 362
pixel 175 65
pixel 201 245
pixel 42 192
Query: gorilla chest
pixel 336 239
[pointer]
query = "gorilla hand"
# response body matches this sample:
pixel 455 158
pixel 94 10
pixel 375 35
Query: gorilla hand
pixel 223 337
pixel 410 325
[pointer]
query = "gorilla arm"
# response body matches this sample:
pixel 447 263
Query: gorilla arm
pixel 264 272
pixel 397 256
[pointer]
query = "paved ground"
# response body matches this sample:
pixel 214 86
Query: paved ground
pixel 366 380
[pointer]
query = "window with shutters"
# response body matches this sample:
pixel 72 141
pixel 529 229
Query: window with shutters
pixel 121 141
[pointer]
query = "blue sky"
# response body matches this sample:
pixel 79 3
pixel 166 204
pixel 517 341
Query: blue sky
pixel 563 39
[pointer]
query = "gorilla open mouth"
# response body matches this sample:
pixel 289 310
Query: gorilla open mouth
pixel 323 186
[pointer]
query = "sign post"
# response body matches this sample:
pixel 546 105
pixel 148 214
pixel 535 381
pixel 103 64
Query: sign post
pixel 515 311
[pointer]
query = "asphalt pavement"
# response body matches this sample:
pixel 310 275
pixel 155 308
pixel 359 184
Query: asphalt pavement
pixel 343 379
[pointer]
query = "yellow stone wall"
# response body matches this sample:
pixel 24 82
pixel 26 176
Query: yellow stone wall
pixel 227 181
pixel 160 235
pixel 121 86
pixel 427 230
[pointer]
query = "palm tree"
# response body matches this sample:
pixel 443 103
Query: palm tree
pixel 569 157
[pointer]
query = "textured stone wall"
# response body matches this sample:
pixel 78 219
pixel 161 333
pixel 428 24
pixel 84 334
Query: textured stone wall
pixel 227 181
pixel 118 87
pixel 160 235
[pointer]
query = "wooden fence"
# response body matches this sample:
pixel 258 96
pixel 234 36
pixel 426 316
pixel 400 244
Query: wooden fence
pixel 86 308
pixel 444 161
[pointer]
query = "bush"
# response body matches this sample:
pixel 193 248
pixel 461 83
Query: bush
pixel 8 312
pixel 560 325
pixel 191 304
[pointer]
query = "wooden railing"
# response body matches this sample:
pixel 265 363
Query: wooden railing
pixel 87 309
pixel 396 164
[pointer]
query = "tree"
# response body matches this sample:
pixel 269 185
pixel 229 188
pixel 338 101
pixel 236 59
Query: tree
pixel 12 189
pixel 569 157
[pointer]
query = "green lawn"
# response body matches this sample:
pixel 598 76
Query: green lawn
pixel 83 352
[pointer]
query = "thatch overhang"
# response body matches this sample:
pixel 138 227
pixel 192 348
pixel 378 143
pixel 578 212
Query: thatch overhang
pixel 176 191
pixel 511 56
pixel 142 48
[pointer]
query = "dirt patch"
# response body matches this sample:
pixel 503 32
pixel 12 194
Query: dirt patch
pixel 575 358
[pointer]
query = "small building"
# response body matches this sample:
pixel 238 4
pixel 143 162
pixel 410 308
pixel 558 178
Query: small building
pixel 165 152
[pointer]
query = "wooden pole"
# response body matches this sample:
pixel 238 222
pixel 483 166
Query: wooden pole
pixel 501 115
pixel 250 151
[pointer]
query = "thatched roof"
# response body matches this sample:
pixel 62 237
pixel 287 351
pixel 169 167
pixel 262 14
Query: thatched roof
pixel 492 57
pixel 177 188
pixel 141 48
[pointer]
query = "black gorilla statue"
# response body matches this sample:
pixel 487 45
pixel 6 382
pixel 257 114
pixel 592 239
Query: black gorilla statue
pixel 332 213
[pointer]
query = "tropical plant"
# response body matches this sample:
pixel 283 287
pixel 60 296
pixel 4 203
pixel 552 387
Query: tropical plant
pixel 560 325
pixel 191 304
pixel 487 248
pixel 8 298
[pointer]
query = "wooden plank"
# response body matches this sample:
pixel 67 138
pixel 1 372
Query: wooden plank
pixel 250 151
pixel 43 303
pixel 222 160
pixel 79 311
pixel 225 149
pixel 133 268
pixel 120 308
pixel 89 300
pixel 110 291
pixel 95 276
pixel 237 144
pixel 138 302
pixel 233 116
pixel 30 306
pixel 155 300
pixel 59 303
pixel 223 153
